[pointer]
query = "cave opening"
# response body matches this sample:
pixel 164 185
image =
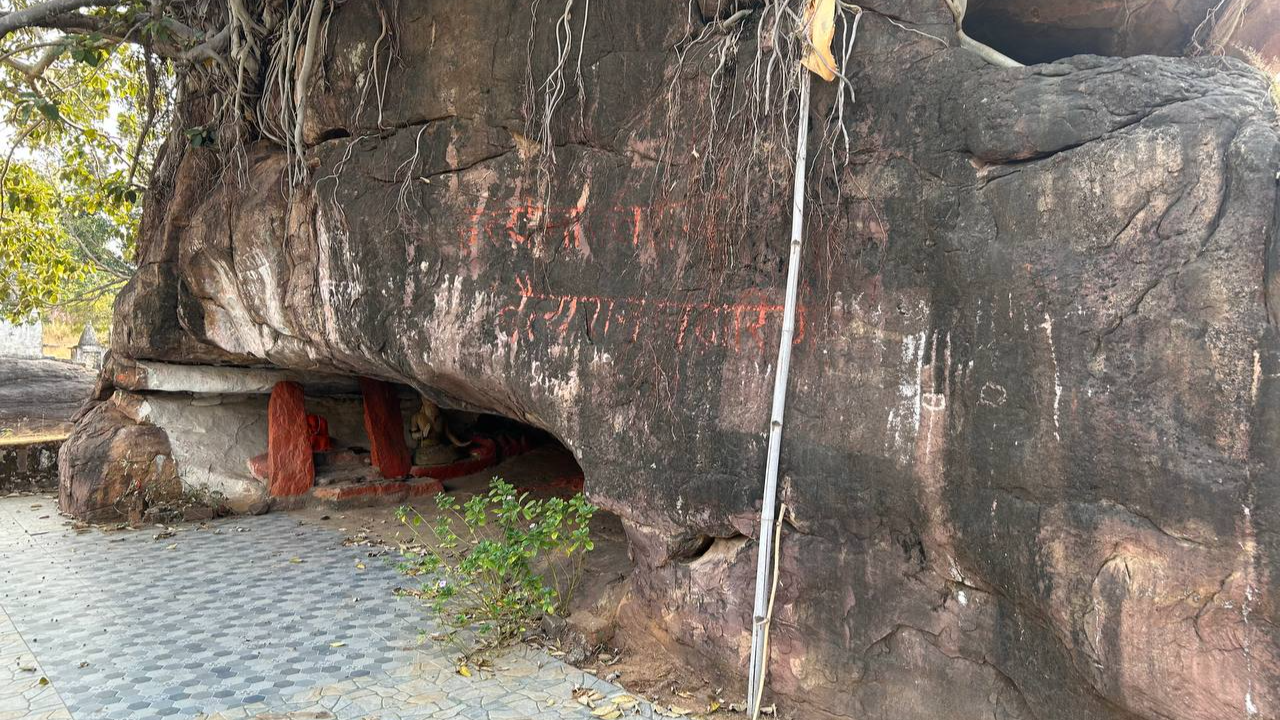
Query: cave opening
pixel 372 443
pixel 1025 39
pixel 256 439
pixel 384 442
pixel 1041 32
pixel 535 462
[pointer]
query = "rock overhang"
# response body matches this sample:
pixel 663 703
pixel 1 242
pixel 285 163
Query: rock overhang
pixel 1032 421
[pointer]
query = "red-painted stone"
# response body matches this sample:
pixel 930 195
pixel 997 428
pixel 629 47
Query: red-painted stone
pixel 424 488
pixel 572 482
pixel 513 445
pixel 318 433
pixel 289 461
pixel 385 426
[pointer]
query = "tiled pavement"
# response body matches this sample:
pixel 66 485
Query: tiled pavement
pixel 250 617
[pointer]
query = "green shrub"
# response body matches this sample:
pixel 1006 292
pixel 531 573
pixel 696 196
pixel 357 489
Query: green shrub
pixel 499 561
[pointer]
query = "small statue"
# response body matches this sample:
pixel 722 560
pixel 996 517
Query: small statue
pixel 318 433
pixel 437 444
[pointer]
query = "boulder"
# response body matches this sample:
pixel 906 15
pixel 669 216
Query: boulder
pixel 1031 462
pixel 41 395
pixel 114 467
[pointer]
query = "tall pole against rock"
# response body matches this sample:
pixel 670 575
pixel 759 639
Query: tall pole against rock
pixel 768 511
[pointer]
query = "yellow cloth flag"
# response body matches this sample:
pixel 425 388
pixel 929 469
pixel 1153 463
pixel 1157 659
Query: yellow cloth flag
pixel 820 18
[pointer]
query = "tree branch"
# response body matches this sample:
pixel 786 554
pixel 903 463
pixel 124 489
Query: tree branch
pixel 117 268
pixel 28 48
pixel 152 82
pixel 18 65
pixel 91 294
pixel 42 12
pixel 109 29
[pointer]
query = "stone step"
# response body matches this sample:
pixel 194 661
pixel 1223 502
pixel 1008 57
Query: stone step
pixel 355 494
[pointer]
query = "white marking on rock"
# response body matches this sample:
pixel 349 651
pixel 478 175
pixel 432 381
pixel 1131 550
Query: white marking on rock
pixel 992 394
pixel 1057 381
pixel 1257 376
pixel 904 420
pixel 1248 543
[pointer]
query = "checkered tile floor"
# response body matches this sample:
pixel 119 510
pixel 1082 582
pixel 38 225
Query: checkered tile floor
pixel 250 617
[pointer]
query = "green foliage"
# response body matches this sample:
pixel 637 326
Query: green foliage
pixel 500 560
pixel 199 136
pixel 82 116
pixel 35 254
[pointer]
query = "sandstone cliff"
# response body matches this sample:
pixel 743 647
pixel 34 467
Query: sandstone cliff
pixel 1033 442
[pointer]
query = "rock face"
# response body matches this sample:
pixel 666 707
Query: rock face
pixel 207 439
pixel 113 467
pixel 1032 459
pixel 41 395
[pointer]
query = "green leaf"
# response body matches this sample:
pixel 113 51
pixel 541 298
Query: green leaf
pixel 493 581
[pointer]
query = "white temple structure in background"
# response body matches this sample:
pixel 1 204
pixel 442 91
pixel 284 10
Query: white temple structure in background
pixel 88 352
pixel 24 341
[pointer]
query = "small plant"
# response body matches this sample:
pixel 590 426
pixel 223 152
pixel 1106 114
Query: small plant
pixel 1269 68
pixel 499 561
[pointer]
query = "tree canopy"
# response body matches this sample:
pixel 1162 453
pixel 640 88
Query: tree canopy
pixel 81 98
pixel 87 92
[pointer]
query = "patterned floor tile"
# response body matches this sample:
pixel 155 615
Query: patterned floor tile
pixel 255 617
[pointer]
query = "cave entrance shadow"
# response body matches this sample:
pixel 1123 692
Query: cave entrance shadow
pixel 370 460
pixel 529 458
pixel 536 462
pixel 1032 35
pixel 386 444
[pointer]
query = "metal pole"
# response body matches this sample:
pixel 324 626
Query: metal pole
pixel 768 510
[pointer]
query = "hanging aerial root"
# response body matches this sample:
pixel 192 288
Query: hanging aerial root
pixel 555 86
pixel 310 56
pixel 986 52
pixel 730 172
